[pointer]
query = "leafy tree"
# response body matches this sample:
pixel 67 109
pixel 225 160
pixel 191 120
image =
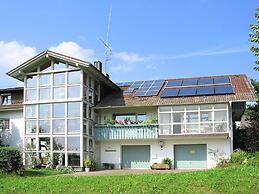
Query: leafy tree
pixel 254 37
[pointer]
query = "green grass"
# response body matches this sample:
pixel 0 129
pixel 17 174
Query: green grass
pixel 239 179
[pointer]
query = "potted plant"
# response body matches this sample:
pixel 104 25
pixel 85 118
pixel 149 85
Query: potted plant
pixel 87 165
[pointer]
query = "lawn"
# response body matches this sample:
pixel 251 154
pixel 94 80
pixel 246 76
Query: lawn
pixel 241 179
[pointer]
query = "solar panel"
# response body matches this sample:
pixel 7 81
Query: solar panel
pixel 205 90
pixel 121 84
pixel 221 80
pixel 169 93
pixel 205 81
pixel 149 88
pixel 227 89
pixel 129 90
pixel 187 92
pixel 189 82
pixel 173 83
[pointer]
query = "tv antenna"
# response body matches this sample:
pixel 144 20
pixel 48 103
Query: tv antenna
pixel 105 43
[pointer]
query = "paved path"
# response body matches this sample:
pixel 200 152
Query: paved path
pixel 124 172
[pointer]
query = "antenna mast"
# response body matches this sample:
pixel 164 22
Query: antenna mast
pixel 105 43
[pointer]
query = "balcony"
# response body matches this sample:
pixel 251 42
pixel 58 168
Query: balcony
pixel 126 132
pixel 13 104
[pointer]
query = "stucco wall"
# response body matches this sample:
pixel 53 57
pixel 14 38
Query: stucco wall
pixel 111 150
pixel 14 136
pixel 108 113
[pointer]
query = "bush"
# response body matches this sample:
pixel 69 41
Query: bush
pixel 90 164
pixel 65 169
pixel 167 161
pixel 108 166
pixel 10 159
pixel 239 156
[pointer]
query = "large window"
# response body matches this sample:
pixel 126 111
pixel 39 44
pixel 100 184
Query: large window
pixel 30 126
pixel 207 118
pixel 58 143
pixel 130 117
pixel 30 111
pixel 73 143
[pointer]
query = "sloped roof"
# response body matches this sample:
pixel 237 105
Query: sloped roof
pixel 240 83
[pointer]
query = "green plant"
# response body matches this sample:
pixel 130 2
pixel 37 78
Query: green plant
pixel 10 159
pixel 108 166
pixel 110 122
pixel 239 156
pixel 150 121
pixel 65 169
pixel 167 161
pixel 90 164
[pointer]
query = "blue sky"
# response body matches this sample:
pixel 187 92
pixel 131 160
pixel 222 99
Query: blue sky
pixel 150 39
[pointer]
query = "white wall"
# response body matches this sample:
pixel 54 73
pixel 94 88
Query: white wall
pixel 15 135
pixel 111 150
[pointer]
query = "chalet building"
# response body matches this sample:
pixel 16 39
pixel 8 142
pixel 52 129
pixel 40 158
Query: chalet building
pixel 68 106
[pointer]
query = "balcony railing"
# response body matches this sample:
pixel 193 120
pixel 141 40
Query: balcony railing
pixel 124 132
pixel 13 102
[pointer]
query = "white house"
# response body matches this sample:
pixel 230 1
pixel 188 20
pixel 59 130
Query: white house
pixel 69 106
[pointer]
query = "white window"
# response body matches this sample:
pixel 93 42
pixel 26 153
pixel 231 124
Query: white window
pixel 4 124
pixel 208 118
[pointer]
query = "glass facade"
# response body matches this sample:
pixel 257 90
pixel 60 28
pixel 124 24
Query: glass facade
pixel 208 118
pixel 57 120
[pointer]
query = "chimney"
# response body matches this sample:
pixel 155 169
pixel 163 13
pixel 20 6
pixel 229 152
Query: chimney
pixel 98 65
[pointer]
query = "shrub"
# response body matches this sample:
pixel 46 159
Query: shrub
pixel 108 166
pixel 10 159
pixel 65 169
pixel 90 164
pixel 167 161
pixel 239 156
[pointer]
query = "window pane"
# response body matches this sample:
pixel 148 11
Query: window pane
pixel 206 116
pixel 59 79
pixel 45 79
pixel 206 107
pixel 31 94
pixel 59 110
pixel 73 109
pixel 58 158
pixel 165 129
pixel 60 65
pixel 74 92
pixel 30 143
pixel 59 92
pixel 73 159
pixel 178 129
pixel 44 143
pixel 85 144
pixel 178 117
pixel 44 158
pixel 74 77
pixel 220 116
pixel 191 117
pixel 220 127
pixel 206 128
pixel 44 126
pixel 164 108
pixel 44 111
pixel 58 143
pixel 192 107
pixel 165 118
pixel 192 128
pixel 30 126
pixel 30 111
pixel 178 108
pixel 220 106
pixel 141 117
pixel 73 125
pixel 44 93
pixel 73 143
pixel 32 81
pixel 122 118
pixel 58 126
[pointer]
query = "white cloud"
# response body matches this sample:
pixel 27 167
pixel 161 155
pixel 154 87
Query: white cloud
pixel 130 57
pixel 14 53
pixel 74 50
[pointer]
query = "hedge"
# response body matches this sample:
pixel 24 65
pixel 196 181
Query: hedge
pixel 10 159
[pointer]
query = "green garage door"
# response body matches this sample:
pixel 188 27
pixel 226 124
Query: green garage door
pixel 190 156
pixel 136 156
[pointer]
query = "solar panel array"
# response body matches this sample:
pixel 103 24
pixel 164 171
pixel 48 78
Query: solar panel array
pixel 198 87
pixel 143 88
pixel 150 88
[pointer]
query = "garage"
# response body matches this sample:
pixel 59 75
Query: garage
pixel 136 157
pixel 190 156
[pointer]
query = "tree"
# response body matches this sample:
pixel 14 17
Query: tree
pixel 254 37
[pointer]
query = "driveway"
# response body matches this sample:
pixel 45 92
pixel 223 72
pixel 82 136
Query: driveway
pixel 125 172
